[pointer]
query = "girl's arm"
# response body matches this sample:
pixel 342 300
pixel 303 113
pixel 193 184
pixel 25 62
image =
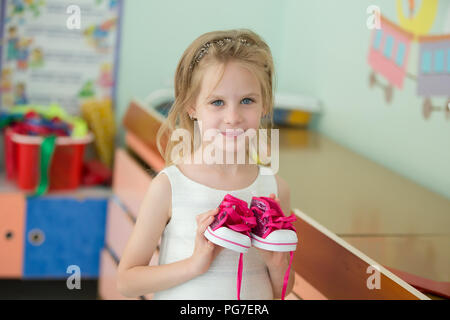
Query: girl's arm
pixel 279 261
pixel 135 276
pixel 277 273
pixel 140 280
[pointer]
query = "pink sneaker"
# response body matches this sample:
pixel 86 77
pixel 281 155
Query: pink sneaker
pixel 273 231
pixel 232 225
pixel 231 229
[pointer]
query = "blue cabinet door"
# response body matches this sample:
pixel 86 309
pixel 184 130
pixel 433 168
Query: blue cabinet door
pixel 63 232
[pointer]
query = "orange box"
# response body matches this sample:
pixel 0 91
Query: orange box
pixel 12 226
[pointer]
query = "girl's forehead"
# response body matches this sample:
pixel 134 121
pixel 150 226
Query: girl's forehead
pixel 223 79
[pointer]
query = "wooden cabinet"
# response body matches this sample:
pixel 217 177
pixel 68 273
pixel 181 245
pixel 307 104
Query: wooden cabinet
pixel 130 183
pixel 134 167
pixel 119 227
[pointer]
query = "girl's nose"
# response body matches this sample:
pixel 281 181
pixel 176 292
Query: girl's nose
pixel 233 115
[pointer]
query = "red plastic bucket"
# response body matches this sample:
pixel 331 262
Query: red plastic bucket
pixel 66 164
pixel 10 153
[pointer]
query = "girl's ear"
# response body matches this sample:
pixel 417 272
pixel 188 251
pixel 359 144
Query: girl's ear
pixel 191 112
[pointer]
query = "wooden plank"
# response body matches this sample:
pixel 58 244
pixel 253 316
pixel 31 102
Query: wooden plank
pixel 119 226
pixel 143 122
pixel 437 288
pixel 130 181
pixel 150 156
pixel 339 271
pixel 425 256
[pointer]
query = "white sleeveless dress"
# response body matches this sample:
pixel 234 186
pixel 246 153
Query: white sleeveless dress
pixel 190 198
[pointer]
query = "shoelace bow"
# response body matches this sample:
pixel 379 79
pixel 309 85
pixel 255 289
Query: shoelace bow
pixel 277 220
pixel 243 221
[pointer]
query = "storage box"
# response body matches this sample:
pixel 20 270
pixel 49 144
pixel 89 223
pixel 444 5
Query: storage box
pixel 22 161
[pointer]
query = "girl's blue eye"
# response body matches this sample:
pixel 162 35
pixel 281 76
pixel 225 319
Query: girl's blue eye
pixel 214 103
pixel 247 99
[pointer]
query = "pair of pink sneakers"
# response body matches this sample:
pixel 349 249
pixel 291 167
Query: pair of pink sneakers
pixel 263 225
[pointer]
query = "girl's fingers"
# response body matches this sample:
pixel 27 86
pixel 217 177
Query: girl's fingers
pixel 205 224
pixel 203 221
pixel 202 217
pixel 274 197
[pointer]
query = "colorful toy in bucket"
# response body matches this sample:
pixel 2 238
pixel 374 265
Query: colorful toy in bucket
pixel 78 125
pixel 41 150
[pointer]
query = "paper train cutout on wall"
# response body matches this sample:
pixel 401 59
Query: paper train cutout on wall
pixel 388 56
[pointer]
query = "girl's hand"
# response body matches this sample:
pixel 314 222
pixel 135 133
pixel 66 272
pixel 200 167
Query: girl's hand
pixel 204 251
pixel 274 259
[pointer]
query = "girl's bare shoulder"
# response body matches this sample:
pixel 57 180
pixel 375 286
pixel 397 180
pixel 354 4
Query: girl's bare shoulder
pixel 160 192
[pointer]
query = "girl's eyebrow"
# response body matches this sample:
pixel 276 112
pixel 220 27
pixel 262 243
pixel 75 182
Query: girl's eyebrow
pixel 215 96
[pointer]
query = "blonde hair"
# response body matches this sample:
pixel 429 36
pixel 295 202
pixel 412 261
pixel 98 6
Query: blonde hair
pixel 217 47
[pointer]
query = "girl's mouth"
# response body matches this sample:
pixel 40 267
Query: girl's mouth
pixel 232 133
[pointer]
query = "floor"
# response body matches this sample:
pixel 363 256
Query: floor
pixel 46 290
pixel 57 290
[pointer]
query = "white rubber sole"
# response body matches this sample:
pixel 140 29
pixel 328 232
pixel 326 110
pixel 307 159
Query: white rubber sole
pixel 229 239
pixel 272 245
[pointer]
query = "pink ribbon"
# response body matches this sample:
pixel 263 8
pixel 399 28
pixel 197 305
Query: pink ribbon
pixel 239 277
pixel 286 276
pixel 240 219
pixel 279 221
pixel 243 221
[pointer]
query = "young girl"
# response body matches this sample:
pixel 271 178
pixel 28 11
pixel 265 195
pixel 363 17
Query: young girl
pixel 223 82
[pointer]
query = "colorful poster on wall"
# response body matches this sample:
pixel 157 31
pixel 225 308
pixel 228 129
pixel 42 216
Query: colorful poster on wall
pixel 58 51
pixel 390 47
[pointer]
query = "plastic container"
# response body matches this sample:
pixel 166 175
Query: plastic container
pixel 23 161
pixel 10 160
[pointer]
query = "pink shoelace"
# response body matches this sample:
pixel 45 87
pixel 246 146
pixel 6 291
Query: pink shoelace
pixel 242 223
pixel 230 217
pixel 276 220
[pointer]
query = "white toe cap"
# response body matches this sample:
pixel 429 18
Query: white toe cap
pixel 282 236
